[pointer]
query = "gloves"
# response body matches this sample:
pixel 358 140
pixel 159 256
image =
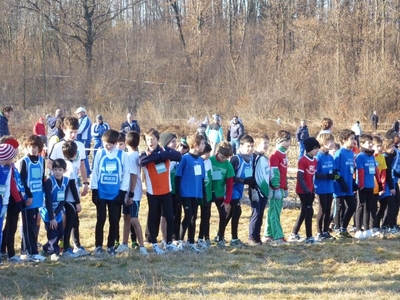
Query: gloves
pixel 380 186
pixel 250 181
pixel 3 211
pixel 121 197
pixel 95 196
pixel 330 176
pixel 343 184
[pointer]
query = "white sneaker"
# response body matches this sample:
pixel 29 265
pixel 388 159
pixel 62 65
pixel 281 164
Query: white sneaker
pixel 143 251
pixel 15 259
pixel 54 257
pixel 293 237
pixel 122 248
pixel 193 248
pixel 359 235
pixel 180 246
pixel 368 233
pixel 163 245
pixel 157 249
pixel 202 244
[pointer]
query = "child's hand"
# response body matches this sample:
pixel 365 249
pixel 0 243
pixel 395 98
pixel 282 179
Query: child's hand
pixel 78 208
pixel 28 202
pixel 53 224
pixel 226 206
pixel 85 190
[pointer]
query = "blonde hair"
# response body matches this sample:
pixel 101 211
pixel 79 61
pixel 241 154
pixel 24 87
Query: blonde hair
pixel 194 140
pixel 323 138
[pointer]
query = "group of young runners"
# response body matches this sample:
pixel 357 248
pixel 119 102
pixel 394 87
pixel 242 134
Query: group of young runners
pixel 183 176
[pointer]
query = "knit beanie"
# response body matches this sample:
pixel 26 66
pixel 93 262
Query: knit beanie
pixel 12 142
pixel 166 137
pixel 310 144
pixel 7 152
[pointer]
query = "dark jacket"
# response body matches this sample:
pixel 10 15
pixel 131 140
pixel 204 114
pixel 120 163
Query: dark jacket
pixel 126 127
pixel 236 131
pixel 3 125
pixel 302 133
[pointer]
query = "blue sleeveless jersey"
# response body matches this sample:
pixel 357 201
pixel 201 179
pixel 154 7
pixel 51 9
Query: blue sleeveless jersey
pixel 4 172
pixel 110 175
pixel 57 195
pixel 245 170
pixel 34 181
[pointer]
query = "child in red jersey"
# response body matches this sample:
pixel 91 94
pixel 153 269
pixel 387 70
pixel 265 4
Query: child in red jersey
pixel 307 167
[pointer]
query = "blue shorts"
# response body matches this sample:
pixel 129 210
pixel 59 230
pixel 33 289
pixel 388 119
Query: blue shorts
pixel 132 210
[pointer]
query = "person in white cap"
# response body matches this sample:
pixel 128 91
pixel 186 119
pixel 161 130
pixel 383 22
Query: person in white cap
pixel 84 133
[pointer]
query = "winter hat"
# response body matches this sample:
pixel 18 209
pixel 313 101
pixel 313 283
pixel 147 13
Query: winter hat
pixel 99 117
pixel 311 143
pixel 13 142
pixel 7 152
pixel 166 137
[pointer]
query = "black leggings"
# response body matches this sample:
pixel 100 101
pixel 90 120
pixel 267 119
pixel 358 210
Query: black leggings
pixel 189 220
pixel 343 221
pixel 306 214
pixel 222 218
pixel 204 232
pixel 155 204
pixel 71 225
pixel 234 214
pixel 324 212
pixel 385 212
pixel 10 228
pixel 364 205
pixel 113 219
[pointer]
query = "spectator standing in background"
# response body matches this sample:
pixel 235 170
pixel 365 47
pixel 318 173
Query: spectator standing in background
pixel 51 121
pixel 357 132
pixel 84 134
pixel 97 131
pixel 214 133
pixel 39 128
pixel 236 131
pixel 302 134
pixel 374 120
pixel 5 115
pixel 130 124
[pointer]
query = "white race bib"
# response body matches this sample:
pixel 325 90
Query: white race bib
pixel 217 175
pixel 197 170
pixel 161 168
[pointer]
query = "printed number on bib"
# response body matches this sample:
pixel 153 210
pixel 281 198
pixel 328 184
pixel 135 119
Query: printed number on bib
pixel 161 168
pixel 60 196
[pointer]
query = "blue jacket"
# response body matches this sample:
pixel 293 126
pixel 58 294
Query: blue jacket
pixel 3 125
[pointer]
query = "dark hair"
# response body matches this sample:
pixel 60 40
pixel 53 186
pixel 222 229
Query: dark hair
pixel 152 131
pixel 69 149
pixel 7 109
pixel 225 148
pixel 133 139
pixel 345 134
pixel 246 139
pixel 326 123
pixel 207 148
pixel 71 123
pixel 365 137
pixel 121 137
pixel 110 136
pixel 377 139
pixel 34 140
pixel 59 163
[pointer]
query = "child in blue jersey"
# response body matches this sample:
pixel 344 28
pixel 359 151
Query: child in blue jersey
pixel 55 189
pixel 242 163
pixel 386 199
pixel 324 178
pixel 366 173
pixel 343 188
pixel 190 188
pixel 72 201
pixel 131 205
pixel 32 176
pixel 7 153
pixel 205 203
pixel 109 183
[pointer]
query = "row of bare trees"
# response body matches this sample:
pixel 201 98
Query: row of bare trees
pixel 264 58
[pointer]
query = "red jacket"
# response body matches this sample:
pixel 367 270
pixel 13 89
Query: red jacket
pixel 39 128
